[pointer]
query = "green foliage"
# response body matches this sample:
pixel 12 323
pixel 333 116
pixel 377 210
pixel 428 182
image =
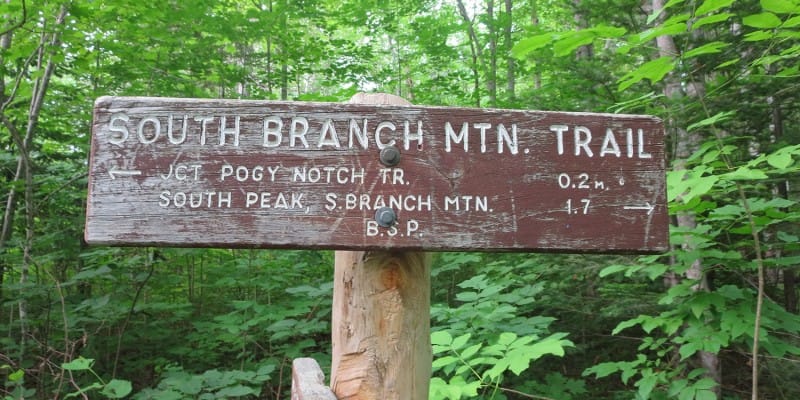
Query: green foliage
pixel 501 344
pixel 113 389
pixel 212 384
pixel 178 323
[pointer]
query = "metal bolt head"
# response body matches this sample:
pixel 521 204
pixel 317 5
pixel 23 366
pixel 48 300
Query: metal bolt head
pixel 385 217
pixel 390 156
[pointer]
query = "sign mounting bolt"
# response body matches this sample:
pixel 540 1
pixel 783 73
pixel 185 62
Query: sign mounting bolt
pixel 385 217
pixel 390 156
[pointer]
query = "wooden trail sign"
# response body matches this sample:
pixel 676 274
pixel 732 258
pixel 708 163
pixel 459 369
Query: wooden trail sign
pixel 241 173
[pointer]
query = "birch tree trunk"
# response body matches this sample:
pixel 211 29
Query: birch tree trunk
pixel 686 145
pixel 42 60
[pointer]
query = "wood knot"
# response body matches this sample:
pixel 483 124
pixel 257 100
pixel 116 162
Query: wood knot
pixel 392 278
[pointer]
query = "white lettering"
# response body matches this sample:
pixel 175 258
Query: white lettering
pixel 328 129
pixel 582 138
pixel 502 136
pixel 559 131
pixel 482 127
pixel 140 131
pixel 381 126
pixel 330 198
pixel 408 137
pixel 272 170
pixel 451 134
pixel 122 131
pixel 272 131
pixel 224 130
pixel 610 145
pixel 294 134
pixel 358 133
pixel 203 127
pixel 642 154
pixel 170 132
pixel 411 227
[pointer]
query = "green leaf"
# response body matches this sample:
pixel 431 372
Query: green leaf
pixel 498 368
pixel 16 376
pixel 530 44
pixel 506 338
pixel 711 19
pixel 780 160
pixel 606 31
pixel 78 364
pixel 668 29
pixel 712 5
pixel 117 389
pixel 235 391
pixel 549 345
pixel 647 383
pixel 758 36
pixel 688 349
pixel 470 389
pixel 780 6
pixel 792 22
pixel 471 351
pixel 571 41
pixel 444 361
pixel 718 117
pixel 708 48
pixel 653 70
pixel 745 173
pixel 765 20
pixel 442 338
pixel 81 391
pixel 627 324
pixel 613 269
pixel 705 383
pixel 460 341
pixel 466 296
pixel 602 370
pixel 728 63
pixel 704 395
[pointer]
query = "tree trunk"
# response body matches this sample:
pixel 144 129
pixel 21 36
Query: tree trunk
pixel 586 51
pixel 686 145
pixel 511 65
pixel 474 47
pixel 491 82
pixel 44 62
pixel 537 73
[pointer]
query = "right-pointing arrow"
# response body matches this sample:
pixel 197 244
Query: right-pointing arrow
pixel 647 206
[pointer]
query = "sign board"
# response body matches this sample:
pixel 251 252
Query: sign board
pixel 236 173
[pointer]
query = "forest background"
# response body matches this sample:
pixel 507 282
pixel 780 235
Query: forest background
pixel 716 317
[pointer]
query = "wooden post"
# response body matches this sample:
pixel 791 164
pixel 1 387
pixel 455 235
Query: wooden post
pixel 381 318
pixel 308 381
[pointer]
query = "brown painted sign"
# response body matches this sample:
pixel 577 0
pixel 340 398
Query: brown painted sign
pixel 235 173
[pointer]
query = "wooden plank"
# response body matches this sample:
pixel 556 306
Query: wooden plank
pixel 235 173
pixel 308 381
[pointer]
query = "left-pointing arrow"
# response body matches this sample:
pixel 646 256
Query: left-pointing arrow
pixel 114 172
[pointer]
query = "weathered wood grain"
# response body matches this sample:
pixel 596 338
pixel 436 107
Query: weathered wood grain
pixel 171 172
pixel 381 325
pixel 308 381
